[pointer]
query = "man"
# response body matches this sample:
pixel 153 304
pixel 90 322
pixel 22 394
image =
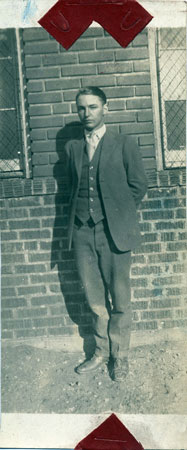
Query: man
pixel 108 182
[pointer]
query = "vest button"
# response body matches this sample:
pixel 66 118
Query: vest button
pixel 91 210
pixel 91 199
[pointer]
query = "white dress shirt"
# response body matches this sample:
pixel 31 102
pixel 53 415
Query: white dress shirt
pixel 92 139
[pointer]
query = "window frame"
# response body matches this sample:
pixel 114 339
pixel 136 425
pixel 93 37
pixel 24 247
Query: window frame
pixel 21 110
pixel 158 131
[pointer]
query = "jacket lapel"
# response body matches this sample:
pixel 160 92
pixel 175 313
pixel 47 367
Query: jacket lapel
pixel 78 149
pixel 108 147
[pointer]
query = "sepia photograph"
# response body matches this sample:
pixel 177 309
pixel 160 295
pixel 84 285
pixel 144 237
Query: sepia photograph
pixel 93 223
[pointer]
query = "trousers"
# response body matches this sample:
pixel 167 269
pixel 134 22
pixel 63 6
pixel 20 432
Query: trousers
pixel 104 272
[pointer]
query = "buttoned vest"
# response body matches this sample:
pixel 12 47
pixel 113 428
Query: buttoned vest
pixel 89 202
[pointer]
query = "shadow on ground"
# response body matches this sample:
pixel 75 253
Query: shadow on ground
pixel 36 380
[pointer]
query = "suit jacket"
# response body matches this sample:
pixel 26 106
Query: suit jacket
pixel 122 182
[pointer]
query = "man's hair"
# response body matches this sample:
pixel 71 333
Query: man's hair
pixel 92 90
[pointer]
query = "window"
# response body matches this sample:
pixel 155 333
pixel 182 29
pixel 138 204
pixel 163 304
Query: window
pixel 14 144
pixel 168 74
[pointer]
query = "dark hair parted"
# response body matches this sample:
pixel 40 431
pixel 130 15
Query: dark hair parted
pixel 92 90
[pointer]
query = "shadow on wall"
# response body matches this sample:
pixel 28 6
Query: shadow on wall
pixel 61 257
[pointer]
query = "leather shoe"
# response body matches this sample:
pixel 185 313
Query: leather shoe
pixel 120 369
pixel 91 364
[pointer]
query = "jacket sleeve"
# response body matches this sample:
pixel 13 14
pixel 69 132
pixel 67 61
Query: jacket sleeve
pixel 133 164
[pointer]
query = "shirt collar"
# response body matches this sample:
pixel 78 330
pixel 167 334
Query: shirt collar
pixel 99 132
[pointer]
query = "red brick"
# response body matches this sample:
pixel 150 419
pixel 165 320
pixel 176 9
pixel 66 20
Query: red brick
pixel 30 268
pixel 146 139
pixel 13 258
pixel 177 246
pixel 166 303
pixel 131 53
pixel 43 72
pixel 156 314
pixel 182 236
pixel 140 40
pixel 61 108
pixel 11 247
pixel 30 290
pixel 30 245
pixel 143 90
pixel 157 215
pixel 39 257
pixel 124 117
pixel 137 128
pixel 80 69
pixel 7 334
pixel 171 236
pixel 117 92
pixel 46 146
pixel 181 213
pixel 147 293
pixel 45 97
pixel 36 234
pixel 7 292
pixel 46 122
pixel 60 59
pixel 41 211
pixel 42 171
pixel 147 151
pixel 71 118
pixel 114 67
pixel 14 280
pixel 33 60
pixel 46 300
pixel 63 83
pixel 38 134
pixel 64 331
pixel 83 45
pixel 40 110
pixel 140 103
pixel 35 86
pixel 41 47
pixel 22 313
pixel 164 281
pixel 162 258
pixel 151 204
pixel 100 80
pixel 35 34
pixel 115 105
pixel 52 133
pixel 141 66
pixel 146 325
pixel 96 56
pixel 16 323
pixel 145 116
pixel 92 32
pixel 133 79
pixel 140 305
pixel 40 158
pixel 30 333
pixel 106 42
pixel 9 236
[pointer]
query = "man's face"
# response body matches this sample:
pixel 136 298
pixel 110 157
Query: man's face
pixel 91 111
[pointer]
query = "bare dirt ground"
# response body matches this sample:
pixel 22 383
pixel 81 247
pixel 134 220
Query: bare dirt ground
pixel 36 380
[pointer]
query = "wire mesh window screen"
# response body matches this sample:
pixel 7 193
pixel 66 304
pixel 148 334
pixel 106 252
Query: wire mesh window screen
pixel 10 123
pixel 171 56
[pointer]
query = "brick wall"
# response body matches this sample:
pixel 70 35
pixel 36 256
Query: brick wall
pixel 41 294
